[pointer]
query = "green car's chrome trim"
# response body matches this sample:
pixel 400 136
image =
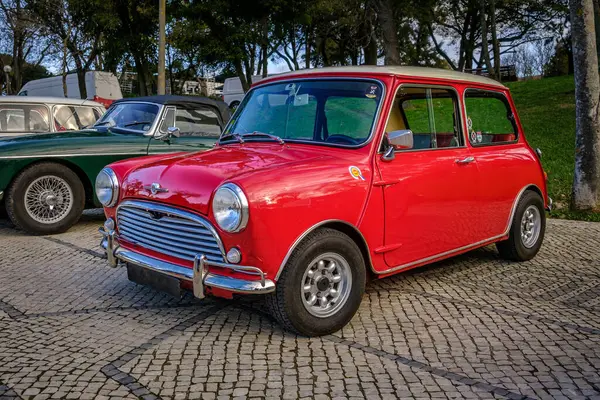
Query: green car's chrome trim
pixel 1 195
pixel 68 155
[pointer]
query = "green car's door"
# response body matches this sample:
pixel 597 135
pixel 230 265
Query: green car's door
pixel 199 127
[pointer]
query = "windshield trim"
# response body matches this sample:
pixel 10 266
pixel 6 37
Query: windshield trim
pixel 304 79
pixel 149 132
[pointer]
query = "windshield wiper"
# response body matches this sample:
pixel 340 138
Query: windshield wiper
pixel 257 133
pixel 136 123
pixel 99 123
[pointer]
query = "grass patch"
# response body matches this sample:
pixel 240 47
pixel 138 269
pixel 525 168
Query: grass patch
pixel 547 111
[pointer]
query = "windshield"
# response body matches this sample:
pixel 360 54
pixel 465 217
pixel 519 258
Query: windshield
pixel 338 112
pixel 130 116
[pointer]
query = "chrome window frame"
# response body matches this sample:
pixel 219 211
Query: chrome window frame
pixel 512 110
pixel 320 78
pixel 428 86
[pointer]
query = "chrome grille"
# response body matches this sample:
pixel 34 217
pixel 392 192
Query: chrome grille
pixel 168 231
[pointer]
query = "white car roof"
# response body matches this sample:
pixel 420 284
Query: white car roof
pixel 48 100
pixel 421 72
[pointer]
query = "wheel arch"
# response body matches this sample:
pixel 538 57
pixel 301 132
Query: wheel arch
pixel 342 226
pixel 531 187
pixel 83 178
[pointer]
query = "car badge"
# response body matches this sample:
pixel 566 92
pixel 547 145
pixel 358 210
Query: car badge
pixel 356 173
pixel 155 188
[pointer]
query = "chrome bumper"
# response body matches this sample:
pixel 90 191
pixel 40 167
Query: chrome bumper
pixel 1 195
pixel 550 203
pixel 198 275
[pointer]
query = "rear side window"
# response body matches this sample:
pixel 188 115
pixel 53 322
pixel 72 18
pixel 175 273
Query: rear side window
pixel 70 118
pixel 490 120
pixel 197 122
pixel 194 122
pixel 23 118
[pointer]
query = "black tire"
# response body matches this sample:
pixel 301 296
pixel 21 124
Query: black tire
pixel 514 248
pixel 15 199
pixel 286 303
pixel 234 105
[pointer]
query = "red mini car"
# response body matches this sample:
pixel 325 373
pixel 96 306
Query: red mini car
pixel 325 178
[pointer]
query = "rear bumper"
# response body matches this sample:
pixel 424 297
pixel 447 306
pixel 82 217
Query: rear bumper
pixel 550 203
pixel 199 275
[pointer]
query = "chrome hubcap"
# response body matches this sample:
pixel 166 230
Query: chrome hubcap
pixel 531 225
pixel 48 199
pixel 326 285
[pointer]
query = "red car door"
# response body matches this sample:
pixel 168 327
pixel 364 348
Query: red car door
pixel 430 191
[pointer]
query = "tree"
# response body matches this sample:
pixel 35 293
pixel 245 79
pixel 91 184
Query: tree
pixel 586 184
pixel 24 41
pixel 77 27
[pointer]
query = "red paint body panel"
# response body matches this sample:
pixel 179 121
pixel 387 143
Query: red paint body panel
pixel 413 210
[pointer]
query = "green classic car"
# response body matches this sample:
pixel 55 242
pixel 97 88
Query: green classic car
pixel 46 180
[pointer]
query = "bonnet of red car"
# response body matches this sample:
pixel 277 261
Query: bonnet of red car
pixel 189 180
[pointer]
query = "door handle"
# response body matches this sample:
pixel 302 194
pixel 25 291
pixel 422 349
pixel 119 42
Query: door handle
pixel 467 160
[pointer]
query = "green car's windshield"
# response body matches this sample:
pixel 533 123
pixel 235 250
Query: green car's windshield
pixel 132 116
pixel 340 112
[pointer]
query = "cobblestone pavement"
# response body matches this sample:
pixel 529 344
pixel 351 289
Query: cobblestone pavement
pixel 470 327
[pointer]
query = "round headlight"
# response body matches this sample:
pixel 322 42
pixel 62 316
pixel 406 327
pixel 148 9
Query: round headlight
pixel 107 187
pixel 230 208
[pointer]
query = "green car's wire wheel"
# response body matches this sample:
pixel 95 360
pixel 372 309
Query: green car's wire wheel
pixel 45 198
pixel 48 199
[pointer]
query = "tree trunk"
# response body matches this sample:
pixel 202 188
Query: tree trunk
pixel 265 47
pixel 485 51
pixel 389 29
pixel 586 184
pixel 240 73
pixel 18 39
pixel 307 49
pixel 597 25
pixel 64 69
pixel 81 82
pixel 495 42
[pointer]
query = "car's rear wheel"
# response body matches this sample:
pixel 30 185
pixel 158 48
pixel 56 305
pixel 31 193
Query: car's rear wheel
pixel 321 286
pixel 527 230
pixel 45 198
pixel 234 105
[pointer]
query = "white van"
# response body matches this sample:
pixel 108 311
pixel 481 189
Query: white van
pixel 102 87
pixel 233 93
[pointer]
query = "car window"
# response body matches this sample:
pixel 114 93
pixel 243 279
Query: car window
pixel 68 118
pixel 23 118
pixel 198 122
pixel 489 118
pixel 432 114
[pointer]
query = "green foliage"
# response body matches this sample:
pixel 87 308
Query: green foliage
pixel 547 111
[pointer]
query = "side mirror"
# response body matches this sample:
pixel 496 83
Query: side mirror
pixel 172 131
pixel 402 139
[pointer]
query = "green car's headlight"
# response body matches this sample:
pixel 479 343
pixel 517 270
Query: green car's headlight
pixel 107 187
pixel 230 208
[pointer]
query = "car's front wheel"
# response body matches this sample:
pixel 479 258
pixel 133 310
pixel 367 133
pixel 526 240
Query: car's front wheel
pixel 45 198
pixel 527 230
pixel 321 286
